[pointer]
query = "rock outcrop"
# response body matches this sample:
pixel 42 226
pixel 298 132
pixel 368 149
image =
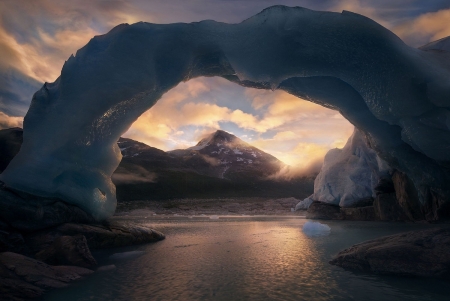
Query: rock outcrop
pixel 68 250
pixel 22 277
pixel 97 236
pixel 34 230
pixel 418 253
pixel 28 213
pixel 319 210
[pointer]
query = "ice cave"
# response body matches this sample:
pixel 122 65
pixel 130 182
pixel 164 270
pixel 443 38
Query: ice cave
pixel 396 95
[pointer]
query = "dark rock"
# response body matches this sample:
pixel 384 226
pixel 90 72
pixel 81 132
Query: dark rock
pixel 68 250
pixel 359 214
pixel 417 253
pixel 14 242
pixel 27 212
pixel 10 143
pixel 407 196
pixel 387 208
pixel 437 207
pixel 97 236
pixel 319 210
pixel 22 277
pixel 363 203
pixel 384 186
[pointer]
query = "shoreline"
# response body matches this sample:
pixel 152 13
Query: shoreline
pixel 217 206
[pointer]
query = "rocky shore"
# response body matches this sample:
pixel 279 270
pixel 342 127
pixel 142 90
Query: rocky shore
pixel 47 243
pixel 423 253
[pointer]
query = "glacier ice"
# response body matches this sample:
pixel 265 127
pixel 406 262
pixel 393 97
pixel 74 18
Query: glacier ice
pixel 350 174
pixel 304 205
pixel 313 229
pixel 396 95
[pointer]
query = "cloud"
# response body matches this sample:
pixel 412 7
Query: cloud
pixel 10 122
pixel 294 130
pixel 425 28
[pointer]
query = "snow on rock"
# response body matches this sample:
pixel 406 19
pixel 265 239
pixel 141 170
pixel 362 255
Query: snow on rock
pixel 397 95
pixel 237 151
pixel 313 229
pixel 304 205
pixel 350 174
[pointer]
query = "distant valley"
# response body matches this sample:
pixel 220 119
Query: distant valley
pixel 219 166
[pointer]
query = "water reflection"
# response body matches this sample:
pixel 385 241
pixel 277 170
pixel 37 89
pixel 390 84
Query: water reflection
pixel 246 259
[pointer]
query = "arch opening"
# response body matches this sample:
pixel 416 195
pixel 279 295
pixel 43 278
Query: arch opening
pixel 343 61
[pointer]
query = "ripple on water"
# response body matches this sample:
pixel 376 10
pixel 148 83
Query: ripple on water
pixel 247 259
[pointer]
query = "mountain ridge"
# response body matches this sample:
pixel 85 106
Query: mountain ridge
pixel 220 165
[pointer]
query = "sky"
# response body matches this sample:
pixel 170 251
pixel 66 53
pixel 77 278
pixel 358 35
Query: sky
pixel 36 37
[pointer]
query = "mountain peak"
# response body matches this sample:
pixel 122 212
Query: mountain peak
pixel 222 135
pixel 218 137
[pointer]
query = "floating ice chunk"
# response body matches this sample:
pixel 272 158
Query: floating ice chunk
pixel 313 229
pixel 214 217
pixel 126 255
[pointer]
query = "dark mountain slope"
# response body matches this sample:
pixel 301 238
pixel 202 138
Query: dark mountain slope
pixel 220 165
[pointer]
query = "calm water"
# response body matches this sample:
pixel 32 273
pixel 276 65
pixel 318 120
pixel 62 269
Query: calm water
pixel 247 258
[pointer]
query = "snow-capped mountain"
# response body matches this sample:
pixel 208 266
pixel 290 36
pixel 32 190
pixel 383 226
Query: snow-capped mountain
pixel 225 156
pixel 220 165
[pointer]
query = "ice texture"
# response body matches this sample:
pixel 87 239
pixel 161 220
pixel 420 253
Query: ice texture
pixel 304 205
pixel 313 229
pixel 396 95
pixel 350 174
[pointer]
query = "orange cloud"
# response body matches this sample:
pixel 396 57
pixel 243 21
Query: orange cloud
pixel 7 121
pixel 425 28
pixel 303 131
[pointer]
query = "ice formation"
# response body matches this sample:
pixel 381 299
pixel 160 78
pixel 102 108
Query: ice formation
pixel 397 95
pixel 349 175
pixel 304 205
pixel 313 229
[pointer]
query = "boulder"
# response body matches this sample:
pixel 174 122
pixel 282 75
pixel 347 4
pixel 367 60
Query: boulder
pixel 418 253
pixel 319 210
pixel 68 250
pixel 27 212
pixel 110 235
pixel 22 277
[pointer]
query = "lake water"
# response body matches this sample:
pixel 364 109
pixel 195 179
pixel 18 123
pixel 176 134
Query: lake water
pixel 246 258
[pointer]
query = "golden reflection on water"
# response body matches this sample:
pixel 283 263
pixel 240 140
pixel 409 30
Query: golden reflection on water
pixel 231 260
pixel 246 259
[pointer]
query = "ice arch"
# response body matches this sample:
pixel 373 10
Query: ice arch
pixel 397 95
